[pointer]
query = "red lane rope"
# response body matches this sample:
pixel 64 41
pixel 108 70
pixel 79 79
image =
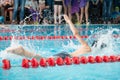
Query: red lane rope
pixel 43 37
pixel 34 63
pixel 37 37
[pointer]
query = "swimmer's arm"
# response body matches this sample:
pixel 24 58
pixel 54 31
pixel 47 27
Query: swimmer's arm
pixel 74 30
pixel 85 48
pixel 22 52
pixel 81 50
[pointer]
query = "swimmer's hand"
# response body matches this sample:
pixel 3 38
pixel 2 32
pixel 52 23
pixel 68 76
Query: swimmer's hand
pixel 67 19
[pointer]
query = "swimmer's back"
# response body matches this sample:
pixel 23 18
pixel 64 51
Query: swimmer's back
pixel 62 54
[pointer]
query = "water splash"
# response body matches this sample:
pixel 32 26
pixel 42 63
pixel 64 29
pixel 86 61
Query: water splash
pixel 14 44
pixel 45 19
pixel 105 36
pixel 29 17
pixel 102 35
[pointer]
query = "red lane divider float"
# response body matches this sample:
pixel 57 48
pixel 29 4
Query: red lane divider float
pixel 38 37
pixel 6 64
pixel 43 37
pixel 34 63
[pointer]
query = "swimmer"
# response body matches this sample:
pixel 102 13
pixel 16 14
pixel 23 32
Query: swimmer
pixel 85 48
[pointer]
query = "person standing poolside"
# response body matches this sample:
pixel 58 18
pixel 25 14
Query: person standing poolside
pixel 85 48
pixel 75 9
pixel 32 9
pixel 107 5
pixel 36 4
pixel 8 8
pixel 84 4
pixel 18 3
pixel 95 11
pixel 1 12
pixel 57 10
pixel 1 8
pixel 67 7
pixel 116 15
pixel 49 4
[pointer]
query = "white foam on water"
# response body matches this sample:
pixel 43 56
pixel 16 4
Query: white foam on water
pixel 103 36
pixel 106 36
pixel 7 55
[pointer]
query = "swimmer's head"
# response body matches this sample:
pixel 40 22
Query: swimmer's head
pixel 103 45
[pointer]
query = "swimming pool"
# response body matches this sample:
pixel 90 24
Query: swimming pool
pixel 47 46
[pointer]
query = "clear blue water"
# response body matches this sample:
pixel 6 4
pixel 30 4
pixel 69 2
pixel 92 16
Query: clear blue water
pixel 102 71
